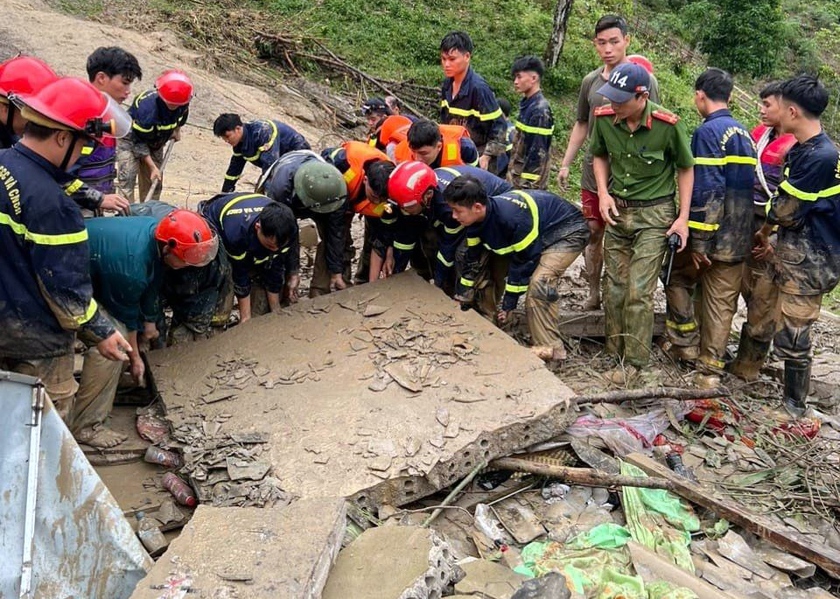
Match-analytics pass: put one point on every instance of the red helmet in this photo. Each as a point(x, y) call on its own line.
point(408, 183)
point(642, 62)
point(24, 75)
point(74, 105)
point(188, 237)
point(174, 87)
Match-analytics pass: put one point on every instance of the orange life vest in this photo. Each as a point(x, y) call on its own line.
point(392, 130)
point(450, 152)
point(358, 154)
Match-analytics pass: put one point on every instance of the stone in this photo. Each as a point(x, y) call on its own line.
point(269, 553)
point(489, 580)
point(392, 562)
point(550, 586)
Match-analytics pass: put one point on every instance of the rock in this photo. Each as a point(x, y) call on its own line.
point(392, 562)
point(550, 586)
point(489, 580)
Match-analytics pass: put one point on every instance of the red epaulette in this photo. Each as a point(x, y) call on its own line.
point(605, 110)
point(668, 117)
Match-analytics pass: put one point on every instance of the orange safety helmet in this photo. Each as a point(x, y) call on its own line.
point(72, 104)
point(409, 182)
point(188, 237)
point(24, 75)
point(174, 87)
point(642, 62)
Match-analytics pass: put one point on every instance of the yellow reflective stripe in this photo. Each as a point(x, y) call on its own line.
point(530, 177)
point(491, 116)
point(89, 313)
point(136, 126)
point(230, 204)
point(806, 195)
point(349, 175)
point(404, 247)
point(267, 145)
point(693, 224)
point(74, 187)
point(444, 261)
point(468, 113)
point(719, 364)
point(451, 151)
point(232, 177)
point(261, 260)
point(467, 282)
point(508, 147)
point(42, 238)
point(532, 234)
point(710, 161)
point(167, 127)
point(335, 152)
point(535, 130)
point(516, 288)
point(449, 170)
point(284, 250)
point(387, 221)
point(683, 328)
point(239, 257)
point(87, 151)
point(473, 241)
point(451, 231)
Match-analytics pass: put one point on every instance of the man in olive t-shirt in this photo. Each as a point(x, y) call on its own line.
point(611, 41)
point(638, 148)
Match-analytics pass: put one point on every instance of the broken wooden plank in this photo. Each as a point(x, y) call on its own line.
point(653, 393)
point(784, 537)
point(586, 477)
point(591, 324)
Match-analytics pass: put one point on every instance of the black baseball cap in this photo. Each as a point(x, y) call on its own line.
point(375, 105)
point(626, 80)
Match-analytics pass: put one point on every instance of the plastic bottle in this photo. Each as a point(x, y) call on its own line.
point(167, 459)
point(150, 535)
point(180, 490)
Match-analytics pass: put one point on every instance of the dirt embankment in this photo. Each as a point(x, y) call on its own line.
point(199, 160)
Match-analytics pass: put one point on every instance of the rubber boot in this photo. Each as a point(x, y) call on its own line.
point(797, 382)
point(751, 356)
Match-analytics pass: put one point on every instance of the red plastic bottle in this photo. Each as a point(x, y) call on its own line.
point(167, 459)
point(180, 490)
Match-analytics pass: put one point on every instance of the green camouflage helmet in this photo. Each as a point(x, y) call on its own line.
point(320, 187)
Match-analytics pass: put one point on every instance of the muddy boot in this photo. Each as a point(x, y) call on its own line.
point(751, 355)
point(797, 382)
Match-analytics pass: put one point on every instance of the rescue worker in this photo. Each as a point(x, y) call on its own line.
point(424, 231)
point(111, 71)
point(541, 233)
point(389, 132)
point(200, 297)
point(466, 99)
point(721, 232)
point(159, 114)
point(261, 142)
point(757, 288)
point(638, 148)
point(610, 41)
point(375, 111)
point(365, 170)
point(19, 75)
point(436, 145)
point(127, 259)
point(46, 298)
point(313, 189)
point(806, 209)
point(260, 238)
point(534, 127)
point(510, 132)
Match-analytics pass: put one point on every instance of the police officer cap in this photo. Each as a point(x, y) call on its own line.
point(626, 80)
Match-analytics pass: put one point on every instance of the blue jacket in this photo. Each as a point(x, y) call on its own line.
point(46, 293)
point(521, 225)
point(406, 230)
point(280, 187)
point(263, 143)
point(807, 209)
point(475, 107)
point(534, 130)
point(95, 172)
point(721, 219)
point(153, 123)
point(232, 216)
point(126, 268)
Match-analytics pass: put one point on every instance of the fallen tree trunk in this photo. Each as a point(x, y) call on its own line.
point(586, 477)
point(653, 393)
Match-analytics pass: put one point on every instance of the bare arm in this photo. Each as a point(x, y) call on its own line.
point(606, 203)
point(576, 139)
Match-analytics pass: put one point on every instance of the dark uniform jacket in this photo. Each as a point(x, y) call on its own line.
point(521, 225)
point(534, 128)
point(807, 209)
point(263, 143)
point(94, 174)
point(46, 293)
point(126, 268)
point(475, 107)
point(153, 123)
point(232, 216)
point(721, 220)
point(279, 185)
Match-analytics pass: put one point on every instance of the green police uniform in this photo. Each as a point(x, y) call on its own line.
point(643, 166)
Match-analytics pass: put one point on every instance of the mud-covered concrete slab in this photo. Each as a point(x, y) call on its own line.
point(382, 394)
point(277, 553)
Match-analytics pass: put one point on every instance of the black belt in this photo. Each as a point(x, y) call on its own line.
point(623, 203)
